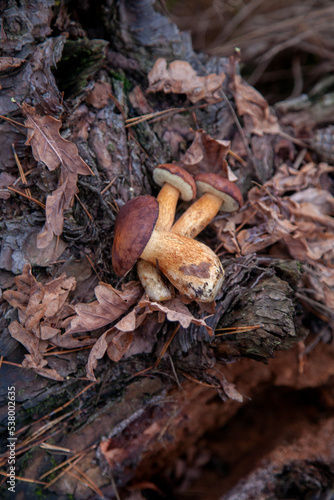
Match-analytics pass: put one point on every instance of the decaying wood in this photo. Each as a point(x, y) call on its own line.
point(147, 413)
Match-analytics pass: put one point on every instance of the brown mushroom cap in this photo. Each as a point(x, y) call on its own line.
point(177, 177)
point(134, 225)
point(226, 190)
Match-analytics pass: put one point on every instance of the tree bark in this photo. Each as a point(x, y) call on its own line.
point(140, 419)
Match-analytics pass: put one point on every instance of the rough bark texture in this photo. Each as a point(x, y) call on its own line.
point(158, 424)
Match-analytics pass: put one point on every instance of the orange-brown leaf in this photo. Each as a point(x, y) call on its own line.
point(49, 147)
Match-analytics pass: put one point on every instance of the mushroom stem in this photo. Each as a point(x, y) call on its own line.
point(153, 282)
point(198, 216)
point(175, 183)
point(218, 193)
point(192, 267)
point(148, 274)
point(167, 198)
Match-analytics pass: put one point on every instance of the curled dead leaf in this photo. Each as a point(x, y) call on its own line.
point(49, 146)
point(175, 310)
point(207, 155)
point(120, 338)
point(181, 78)
point(251, 105)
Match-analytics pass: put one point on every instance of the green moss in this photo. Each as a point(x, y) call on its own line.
point(120, 76)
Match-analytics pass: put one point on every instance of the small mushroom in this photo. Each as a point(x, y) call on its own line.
point(219, 194)
point(192, 267)
point(176, 183)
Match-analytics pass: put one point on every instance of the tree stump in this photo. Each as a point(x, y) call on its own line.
point(144, 422)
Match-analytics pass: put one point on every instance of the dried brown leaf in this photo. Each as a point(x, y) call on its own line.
point(322, 199)
point(226, 234)
point(206, 155)
point(110, 305)
point(289, 178)
point(49, 147)
point(115, 341)
point(175, 310)
point(119, 344)
point(273, 228)
point(60, 200)
point(97, 352)
point(119, 339)
point(251, 105)
point(181, 78)
point(30, 342)
point(42, 309)
point(40, 368)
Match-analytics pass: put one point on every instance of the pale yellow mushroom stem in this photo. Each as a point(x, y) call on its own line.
point(198, 216)
point(151, 279)
point(167, 198)
point(192, 267)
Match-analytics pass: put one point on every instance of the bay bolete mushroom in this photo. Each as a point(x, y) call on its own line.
point(219, 194)
point(176, 183)
point(192, 267)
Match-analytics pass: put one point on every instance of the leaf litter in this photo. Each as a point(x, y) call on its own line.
point(290, 215)
point(41, 311)
point(49, 147)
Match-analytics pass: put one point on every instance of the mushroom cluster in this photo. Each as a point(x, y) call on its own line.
point(145, 233)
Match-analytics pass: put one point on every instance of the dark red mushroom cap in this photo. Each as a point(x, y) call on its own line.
point(228, 191)
point(177, 177)
point(134, 225)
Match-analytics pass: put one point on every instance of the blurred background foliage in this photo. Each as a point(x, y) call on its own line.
point(287, 47)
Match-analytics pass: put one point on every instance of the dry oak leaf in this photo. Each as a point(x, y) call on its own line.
point(207, 154)
point(289, 178)
point(41, 310)
point(181, 78)
point(110, 305)
point(251, 104)
point(49, 147)
point(254, 108)
point(118, 339)
point(115, 341)
point(273, 228)
point(175, 310)
point(40, 306)
point(40, 368)
point(226, 234)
